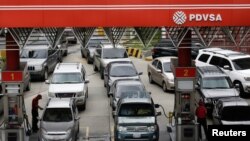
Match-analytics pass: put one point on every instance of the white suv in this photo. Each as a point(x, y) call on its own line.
point(235, 64)
point(69, 80)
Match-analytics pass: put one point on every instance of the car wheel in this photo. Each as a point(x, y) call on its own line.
point(88, 60)
point(95, 68)
point(66, 53)
point(45, 74)
point(104, 84)
point(164, 87)
point(108, 90)
point(82, 54)
point(28, 86)
point(240, 89)
point(151, 81)
point(101, 73)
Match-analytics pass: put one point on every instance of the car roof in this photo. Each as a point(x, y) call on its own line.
point(68, 67)
point(165, 59)
point(129, 82)
point(233, 101)
point(146, 100)
point(59, 103)
point(225, 52)
point(210, 71)
point(121, 64)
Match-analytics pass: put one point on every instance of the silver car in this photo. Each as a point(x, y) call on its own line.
point(60, 120)
point(159, 71)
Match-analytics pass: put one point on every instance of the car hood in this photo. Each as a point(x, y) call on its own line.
point(64, 88)
point(33, 62)
point(136, 120)
point(245, 72)
point(216, 93)
point(235, 122)
point(54, 127)
point(106, 61)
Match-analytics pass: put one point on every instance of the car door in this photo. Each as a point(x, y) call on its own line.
point(106, 74)
point(158, 76)
point(154, 69)
point(226, 66)
point(75, 116)
point(50, 59)
point(98, 58)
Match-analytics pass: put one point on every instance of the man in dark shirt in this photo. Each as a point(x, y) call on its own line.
point(34, 112)
point(201, 113)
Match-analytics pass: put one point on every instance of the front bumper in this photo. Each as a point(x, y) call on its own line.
point(136, 136)
point(170, 85)
point(246, 87)
point(80, 100)
point(36, 73)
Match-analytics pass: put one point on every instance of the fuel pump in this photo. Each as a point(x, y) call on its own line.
point(13, 128)
point(185, 128)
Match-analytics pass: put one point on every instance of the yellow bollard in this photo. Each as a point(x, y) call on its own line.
point(170, 116)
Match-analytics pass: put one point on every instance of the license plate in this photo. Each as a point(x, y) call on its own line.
point(136, 135)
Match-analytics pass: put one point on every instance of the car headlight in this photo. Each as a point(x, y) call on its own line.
point(122, 129)
point(38, 68)
point(44, 132)
point(208, 100)
point(247, 78)
point(79, 94)
point(51, 94)
point(110, 82)
point(68, 132)
point(152, 128)
point(171, 80)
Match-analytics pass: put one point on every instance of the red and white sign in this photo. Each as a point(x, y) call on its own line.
point(12, 76)
point(185, 72)
point(123, 13)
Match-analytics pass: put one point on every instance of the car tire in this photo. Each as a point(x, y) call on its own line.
point(164, 87)
point(82, 54)
point(104, 84)
point(108, 88)
point(88, 60)
point(45, 74)
point(28, 86)
point(102, 73)
point(94, 67)
point(151, 81)
point(65, 53)
point(241, 89)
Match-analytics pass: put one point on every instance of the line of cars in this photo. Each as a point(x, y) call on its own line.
point(134, 111)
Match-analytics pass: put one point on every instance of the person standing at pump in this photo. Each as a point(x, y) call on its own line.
point(201, 113)
point(34, 112)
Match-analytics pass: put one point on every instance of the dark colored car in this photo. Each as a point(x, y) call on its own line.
point(136, 119)
point(166, 48)
point(231, 111)
point(88, 52)
point(119, 70)
point(122, 87)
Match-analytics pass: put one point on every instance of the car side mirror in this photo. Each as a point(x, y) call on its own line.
point(97, 55)
point(47, 82)
point(86, 81)
point(197, 86)
point(140, 73)
point(111, 94)
point(157, 105)
point(114, 113)
point(237, 86)
point(158, 113)
point(105, 74)
point(39, 118)
point(226, 67)
point(77, 118)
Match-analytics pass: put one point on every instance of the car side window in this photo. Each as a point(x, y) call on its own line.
point(159, 66)
point(154, 63)
point(204, 57)
point(224, 62)
point(215, 61)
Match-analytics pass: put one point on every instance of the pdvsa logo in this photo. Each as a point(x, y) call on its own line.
point(180, 17)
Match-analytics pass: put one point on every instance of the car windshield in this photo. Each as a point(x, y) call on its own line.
point(136, 110)
point(123, 71)
point(166, 67)
point(110, 53)
point(127, 89)
point(236, 113)
point(57, 115)
point(61, 78)
point(39, 53)
point(241, 64)
point(216, 83)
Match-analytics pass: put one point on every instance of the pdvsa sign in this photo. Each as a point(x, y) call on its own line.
point(180, 17)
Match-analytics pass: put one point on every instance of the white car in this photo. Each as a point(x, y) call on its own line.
point(159, 72)
point(69, 80)
point(235, 64)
